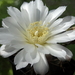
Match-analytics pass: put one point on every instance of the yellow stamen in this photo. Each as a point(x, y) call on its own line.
point(37, 33)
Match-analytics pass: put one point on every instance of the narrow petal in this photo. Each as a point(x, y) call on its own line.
point(4, 35)
point(32, 10)
point(56, 23)
point(14, 12)
point(36, 9)
point(42, 49)
point(42, 66)
point(21, 65)
point(29, 47)
point(17, 44)
point(43, 13)
point(19, 57)
point(7, 51)
point(24, 6)
point(25, 18)
point(68, 52)
point(39, 4)
point(43, 9)
point(16, 20)
point(63, 37)
point(14, 28)
point(66, 23)
point(59, 51)
point(53, 15)
point(32, 57)
point(3, 24)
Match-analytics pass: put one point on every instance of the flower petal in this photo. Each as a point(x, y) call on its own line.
point(3, 24)
point(32, 57)
point(19, 57)
point(29, 47)
point(59, 51)
point(16, 23)
point(19, 60)
point(25, 18)
point(63, 37)
point(14, 28)
point(14, 13)
point(31, 9)
point(19, 19)
point(17, 44)
point(36, 9)
point(43, 9)
point(21, 65)
point(53, 15)
point(4, 35)
point(68, 52)
point(66, 23)
point(42, 49)
point(56, 23)
point(39, 4)
point(7, 51)
point(42, 66)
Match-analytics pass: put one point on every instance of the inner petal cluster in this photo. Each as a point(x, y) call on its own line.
point(37, 33)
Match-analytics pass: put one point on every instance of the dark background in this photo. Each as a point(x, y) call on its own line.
point(5, 66)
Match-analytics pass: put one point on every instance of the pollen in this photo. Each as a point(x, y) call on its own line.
point(37, 33)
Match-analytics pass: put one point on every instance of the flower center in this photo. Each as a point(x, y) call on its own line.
point(37, 33)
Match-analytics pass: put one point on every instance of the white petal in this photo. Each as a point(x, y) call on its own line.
point(12, 22)
point(54, 14)
point(14, 28)
point(35, 56)
point(43, 9)
point(29, 48)
point(24, 6)
point(42, 49)
point(68, 52)
point(43, 13)
point(31, 9)
point(19, 60)
point(14, 12)
point(63, 37)
point(32, 55)
point(21, 65)
point(59, 51)
point(42, 66)
point(25, 18)
point(32, 58)
point(56, 23)
point(17, 44)
point(7, 51)
point(66, 23)
point(3, 24)
point(39, 4)
point(55, 51)
point(4, 35)
point(19, 57)
point(16, 22)
point(17, 17)
point(36, 10)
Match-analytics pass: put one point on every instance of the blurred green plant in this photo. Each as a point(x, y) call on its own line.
point(5, 67)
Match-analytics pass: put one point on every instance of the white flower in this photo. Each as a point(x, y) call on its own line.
point(37, 32)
